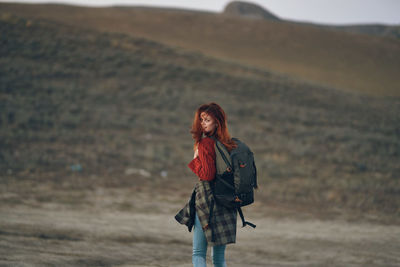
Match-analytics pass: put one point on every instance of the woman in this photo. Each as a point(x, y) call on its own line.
point(213, 224)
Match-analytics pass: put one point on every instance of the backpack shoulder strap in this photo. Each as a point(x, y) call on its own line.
point(217, 144)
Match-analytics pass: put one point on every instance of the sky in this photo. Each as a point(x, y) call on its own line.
point(317, 11)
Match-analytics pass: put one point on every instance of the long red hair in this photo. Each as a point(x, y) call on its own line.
point(221, 133)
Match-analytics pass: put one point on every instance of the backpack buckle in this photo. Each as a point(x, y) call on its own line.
point(237, 199)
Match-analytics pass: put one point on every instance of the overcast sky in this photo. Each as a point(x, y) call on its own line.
point(320, 11)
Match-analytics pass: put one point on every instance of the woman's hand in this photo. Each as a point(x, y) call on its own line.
point(196, 153)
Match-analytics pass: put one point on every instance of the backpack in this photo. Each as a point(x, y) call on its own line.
point(236, 177)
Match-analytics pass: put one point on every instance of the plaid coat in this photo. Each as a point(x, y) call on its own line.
point(220, 227)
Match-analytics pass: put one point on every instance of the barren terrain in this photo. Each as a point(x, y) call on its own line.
point(123, 227)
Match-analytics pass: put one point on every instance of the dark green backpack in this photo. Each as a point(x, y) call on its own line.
point(236, 178)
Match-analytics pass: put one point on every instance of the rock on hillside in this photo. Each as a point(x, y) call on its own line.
point(246, 9)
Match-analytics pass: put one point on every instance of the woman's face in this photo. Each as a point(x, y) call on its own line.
point(207, 123)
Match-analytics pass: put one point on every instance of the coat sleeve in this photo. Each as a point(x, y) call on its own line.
point(204, 164)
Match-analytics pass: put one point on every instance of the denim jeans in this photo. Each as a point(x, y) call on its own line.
point(200, 248)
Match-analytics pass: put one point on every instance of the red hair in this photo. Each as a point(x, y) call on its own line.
point(221, 132)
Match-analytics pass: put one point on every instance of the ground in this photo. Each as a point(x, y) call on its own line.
point(110, 232)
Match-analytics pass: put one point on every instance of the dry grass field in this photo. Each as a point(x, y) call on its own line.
point(94, 140)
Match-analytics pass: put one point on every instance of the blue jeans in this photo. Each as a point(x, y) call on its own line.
point(200, 248)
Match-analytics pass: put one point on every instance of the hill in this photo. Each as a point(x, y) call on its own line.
point(82, 109)
point(372, 29)
point(249, 10)
point(347, 61)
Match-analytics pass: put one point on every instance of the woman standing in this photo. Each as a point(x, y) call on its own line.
point(214, 224)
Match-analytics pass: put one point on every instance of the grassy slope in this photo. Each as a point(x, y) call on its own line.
point(111, 102)
point(348, 61)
